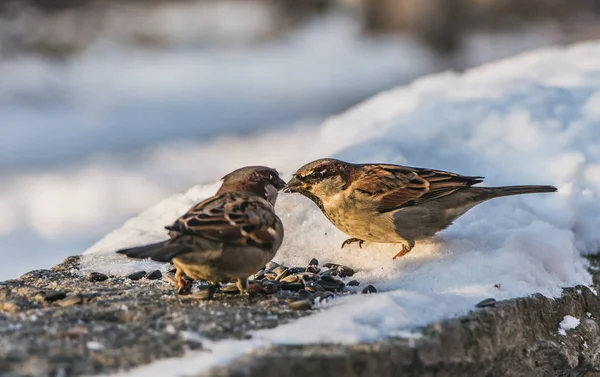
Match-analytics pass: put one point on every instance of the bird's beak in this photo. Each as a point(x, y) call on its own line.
point(280, 184)
point(294, 185)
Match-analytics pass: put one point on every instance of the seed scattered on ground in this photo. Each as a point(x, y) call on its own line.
point(136, 275)
point(300, 305)
point(71, 300)
point(54, 296)
point(154, 275)
point(353, 283)
point(488, 302)
point(96, 276)
point(369, 289)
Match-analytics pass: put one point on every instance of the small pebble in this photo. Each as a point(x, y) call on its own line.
point(154, 275)
point(353, 283)
point(488, 302)
point(300, 305)
point(369, 289)
point(96, 276)
point(54, 296)
point(136, 275)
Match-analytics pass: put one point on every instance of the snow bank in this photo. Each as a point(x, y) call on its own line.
point(532, 119)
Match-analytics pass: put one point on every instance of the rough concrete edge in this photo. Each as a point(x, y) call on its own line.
point(517, 337)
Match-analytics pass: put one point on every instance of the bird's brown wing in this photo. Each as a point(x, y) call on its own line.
point(394, 186)
point(231, 218)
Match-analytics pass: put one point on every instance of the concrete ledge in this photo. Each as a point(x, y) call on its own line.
point(516, 338)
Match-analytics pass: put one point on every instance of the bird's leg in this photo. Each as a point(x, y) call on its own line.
point(184, 286)
point(352, 240)
point(242, 285)
point(405, 249)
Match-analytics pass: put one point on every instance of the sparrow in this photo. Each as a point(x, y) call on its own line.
point(392, 203)
point(226, 237)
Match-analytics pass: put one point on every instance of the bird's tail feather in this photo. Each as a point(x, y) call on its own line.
point(496, 192)
point(161, 251)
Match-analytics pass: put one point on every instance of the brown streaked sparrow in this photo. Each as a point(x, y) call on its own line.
point(228, 236)
point(392, 203)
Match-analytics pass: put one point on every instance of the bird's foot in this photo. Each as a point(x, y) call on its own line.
point(183, 283)
point(243, 286)
point(352, 240)
point(184, 289)
point(405, 250)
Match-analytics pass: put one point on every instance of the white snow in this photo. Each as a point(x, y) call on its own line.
point(531, 119)
point(88, 142)
point(568, 323)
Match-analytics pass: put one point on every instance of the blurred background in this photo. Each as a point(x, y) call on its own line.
point(108, 106)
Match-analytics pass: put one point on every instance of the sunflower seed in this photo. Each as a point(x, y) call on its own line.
point(136, 275)
point(269, 287)
point(311, 286)
point(329, 278)
point(284, 273)
point(313, 269)
point(259, 275)
point(230, 289)
point(54, 296)
point(297, 270)
point(330, 286)
point(488, 302)
point(71, 300)
point(369, 289)
point(272, 265)
point(313, 262)
point(279, 269)
point(291, 279)
point(303, 293)
point(292, 286)
point(154, 275)
point(300, 305)
point(309, 276)
point(353, 283)
point(96, 276)
point(322, 296)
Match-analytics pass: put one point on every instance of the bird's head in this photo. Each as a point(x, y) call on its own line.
point(259, 181)
point(321, 179)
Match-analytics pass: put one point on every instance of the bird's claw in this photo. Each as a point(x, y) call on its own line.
point(352, 240)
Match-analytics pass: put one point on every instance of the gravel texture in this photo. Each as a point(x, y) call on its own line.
point(57, 322)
